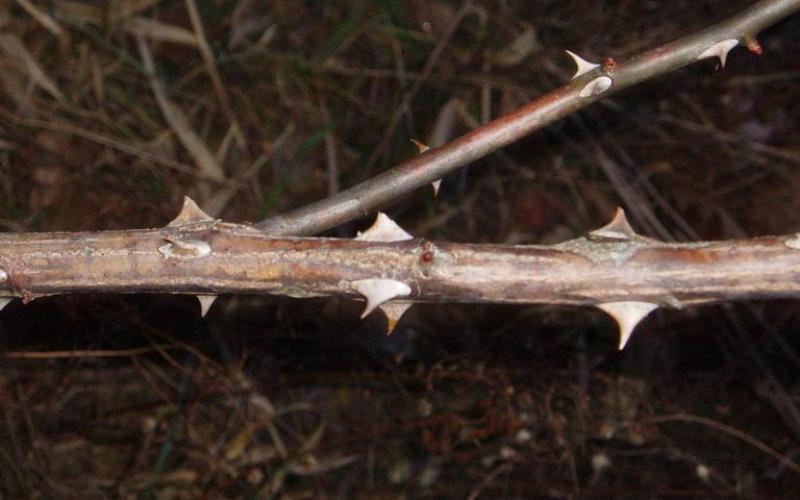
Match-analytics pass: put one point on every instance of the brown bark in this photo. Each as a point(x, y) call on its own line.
point(217, 257)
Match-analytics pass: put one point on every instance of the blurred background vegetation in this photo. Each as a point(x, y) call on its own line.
point(111, 112)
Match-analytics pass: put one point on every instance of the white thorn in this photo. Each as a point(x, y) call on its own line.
point(719, 50)
point(190, 213)
point(627, 315)
point(384, 229)
point(583, 66)
point(4, 301)
point(618, 229)
point(377, 291)
point(206, 301)
point(596, 86)
point(394, 311)
point(436, 184)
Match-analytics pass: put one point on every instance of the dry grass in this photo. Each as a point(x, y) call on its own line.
point(109, 115)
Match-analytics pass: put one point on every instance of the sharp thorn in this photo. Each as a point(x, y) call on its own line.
point(377, 291)
point(384, 229)
point(190, 213)
point(719, 50)
point(394, 311)
point(627, 315)
point(436, 185)
point(618, 229)
point(583, 66)
point(422, 147)
point(206, 301)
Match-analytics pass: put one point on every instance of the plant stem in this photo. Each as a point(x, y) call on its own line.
point(434, 164)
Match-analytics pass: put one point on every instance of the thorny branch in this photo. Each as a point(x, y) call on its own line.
point(613, 268)
point(590, 83)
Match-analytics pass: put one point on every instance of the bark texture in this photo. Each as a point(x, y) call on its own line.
point(214, 257)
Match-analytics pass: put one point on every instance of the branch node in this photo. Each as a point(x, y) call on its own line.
point(185, 249)
point(753, 46)
point(596, 87)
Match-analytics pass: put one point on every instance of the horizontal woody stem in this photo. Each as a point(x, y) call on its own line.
point(217, 257)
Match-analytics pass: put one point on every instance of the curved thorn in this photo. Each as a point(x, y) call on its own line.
point(719, 50)
point(377, 291)
point(583, 66)
point(627, 315)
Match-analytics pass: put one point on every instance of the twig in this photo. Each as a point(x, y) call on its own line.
point(586, 87)
point(755, 443)
point(87, 353)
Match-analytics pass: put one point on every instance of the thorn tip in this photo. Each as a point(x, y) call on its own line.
point(627, 315)
point(618, 229)
point(206, 301)
point(394, 310)
point(436, 185)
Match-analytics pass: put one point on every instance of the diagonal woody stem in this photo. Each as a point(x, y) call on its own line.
point(363, 198)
